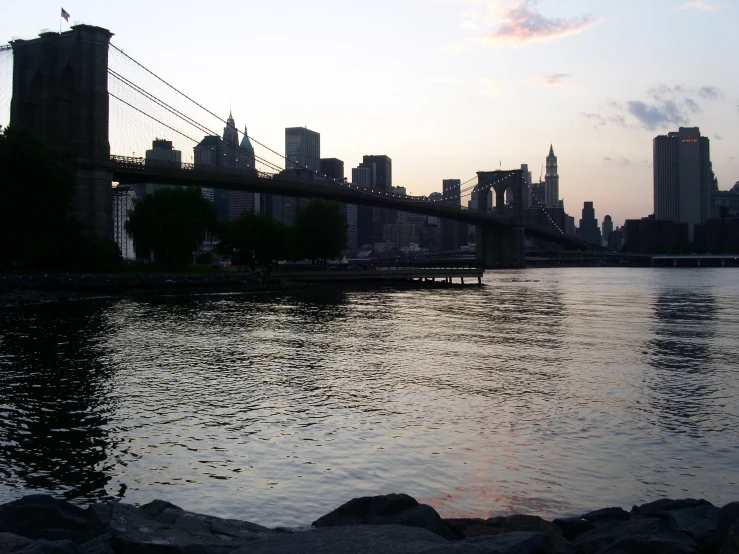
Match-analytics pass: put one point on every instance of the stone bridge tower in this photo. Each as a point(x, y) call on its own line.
point(60, 89)
point(501, 246)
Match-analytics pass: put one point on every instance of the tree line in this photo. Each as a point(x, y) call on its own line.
point(169, 225)
point(39, 230)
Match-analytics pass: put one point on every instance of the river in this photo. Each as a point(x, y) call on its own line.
point(548, 392)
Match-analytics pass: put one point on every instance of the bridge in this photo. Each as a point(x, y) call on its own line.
point(62, 88)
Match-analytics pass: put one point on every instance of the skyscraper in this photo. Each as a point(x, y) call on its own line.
point(382, 171)
point(551, 181)
point(382, 179)
point(332, 168)
point(245, 160)
point(682, 178)
point(607, 227)
point(302, 151)
point(453, 233)
point(302, 148)
point(588, 228)
point(362, 177)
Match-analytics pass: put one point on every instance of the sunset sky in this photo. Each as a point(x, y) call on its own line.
point(449, 87)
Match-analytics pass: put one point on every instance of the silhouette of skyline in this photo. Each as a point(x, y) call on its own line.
point(447, 88)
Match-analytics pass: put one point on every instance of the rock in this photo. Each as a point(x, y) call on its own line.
point(728, 516)
point(573, 527)
point(9, 542)
point(468, 528)
point(39, 516)
point(163, 527)
point(666, 505)
point(398, 509)
point(99, 545)
point(42, 546)
point(638, 529)
point(731, 541)
point(701, 522)
point(393, 539)
point(606, 513)
point(517, 543)
point(647, 545)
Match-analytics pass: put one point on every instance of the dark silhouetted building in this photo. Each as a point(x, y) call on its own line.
point(551, 181)
point(616, 240)
point(332, 168)
point(682, 178)
point(302, 149)
point(607, 227)
point(588, 229)
point(453, 234)
point(653, 236)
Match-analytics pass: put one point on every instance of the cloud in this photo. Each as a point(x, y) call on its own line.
point(653, 116)
point(702, 5)
point(517, 23)
point(664, 106)
point(556, 79)
point(600, 121)
point(692, 105)
point(710, 93)
point(623, 162)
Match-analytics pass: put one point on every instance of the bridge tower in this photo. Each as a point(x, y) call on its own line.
point(60, 89)
point(501, 246)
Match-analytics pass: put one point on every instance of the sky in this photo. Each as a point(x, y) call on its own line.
point(450, 87)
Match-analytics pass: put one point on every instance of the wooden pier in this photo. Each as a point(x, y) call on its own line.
point(461, 276)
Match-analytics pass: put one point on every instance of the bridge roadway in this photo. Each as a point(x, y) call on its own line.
point(129, 170)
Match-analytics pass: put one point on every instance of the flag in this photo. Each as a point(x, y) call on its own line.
point(65, 15)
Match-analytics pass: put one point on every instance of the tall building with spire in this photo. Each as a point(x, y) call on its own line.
point(245, 160)
point(551, 181)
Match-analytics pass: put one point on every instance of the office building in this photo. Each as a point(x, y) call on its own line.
point(682, 178)
point(588, 229)
point(302, 149)
point(653, 236)
point(332, 168)
point(453, 234)
point(551, 181)
point(382, 171)
point(607, 227)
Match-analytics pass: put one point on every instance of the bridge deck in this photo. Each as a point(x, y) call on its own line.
point(127, 170)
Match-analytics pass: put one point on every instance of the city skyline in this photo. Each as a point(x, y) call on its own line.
point(453, 87)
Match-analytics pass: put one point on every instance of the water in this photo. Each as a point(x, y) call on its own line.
point(547, 392)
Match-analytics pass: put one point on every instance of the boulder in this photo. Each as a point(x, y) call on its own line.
point(573, 527)
point(731, 541)
point(42, 546)
point(395, 539)
point(659, 507)
point(39, 516)
point(10, 542)
point(163, 527)
point(399, 509)
point(631, 544)
point(637, 529)
point(606, 513)
point(494, 526)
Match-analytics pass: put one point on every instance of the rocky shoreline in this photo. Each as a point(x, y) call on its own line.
point(394, 523)
point(18, 290)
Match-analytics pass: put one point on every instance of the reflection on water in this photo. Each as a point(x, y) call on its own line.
point(54, 402)
point(680, 354)
point(547, 392)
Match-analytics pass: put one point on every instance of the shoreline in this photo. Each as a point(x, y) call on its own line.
point(389, 523)
point(39, 289)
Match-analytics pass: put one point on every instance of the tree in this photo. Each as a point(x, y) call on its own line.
point(170, 224)
point(252, 239)
point(318, 231)
point(36, 194)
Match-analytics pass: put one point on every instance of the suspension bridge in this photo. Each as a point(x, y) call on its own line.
point(98, 104)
